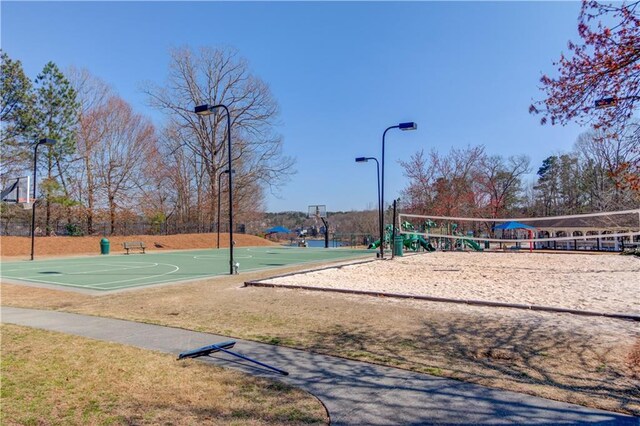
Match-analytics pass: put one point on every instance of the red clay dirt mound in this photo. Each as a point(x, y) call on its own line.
point(63, 246)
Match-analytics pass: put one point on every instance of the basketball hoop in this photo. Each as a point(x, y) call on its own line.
point(16, 190)
point(317, 211)
point(320, 212)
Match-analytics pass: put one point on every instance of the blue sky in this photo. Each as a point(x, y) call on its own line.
point(341, 72)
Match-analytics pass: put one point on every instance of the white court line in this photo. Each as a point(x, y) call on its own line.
point(121, 268)
point(100, 286)
point(176, 254)
point(205, 256)
point(35, 280)
point(177, 268)
point(66, 265)
point(192, 278)
point(35, 268)
point(196, 277)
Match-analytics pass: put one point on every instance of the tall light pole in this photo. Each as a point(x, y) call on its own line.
point(364, 160)
point(45, 141)
point(402, 126)
point(203, 110)
point(219, 199)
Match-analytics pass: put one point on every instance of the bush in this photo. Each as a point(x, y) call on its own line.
point(73, 230)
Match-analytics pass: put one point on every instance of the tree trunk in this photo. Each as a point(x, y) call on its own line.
point(90, 212)
point(47, 224)
point(90, 197)
point(112, 214)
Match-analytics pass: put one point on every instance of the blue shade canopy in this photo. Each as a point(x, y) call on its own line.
point(513, 225)
point(278, 229)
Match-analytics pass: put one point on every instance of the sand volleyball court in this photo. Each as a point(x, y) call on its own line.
point(603, 283)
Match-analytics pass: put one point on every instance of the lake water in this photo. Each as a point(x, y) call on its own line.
point(320, 243)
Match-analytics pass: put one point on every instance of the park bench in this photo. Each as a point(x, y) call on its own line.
point(134, 245)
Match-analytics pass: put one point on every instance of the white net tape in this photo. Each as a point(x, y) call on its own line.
point(635, 212)
point(605, 226)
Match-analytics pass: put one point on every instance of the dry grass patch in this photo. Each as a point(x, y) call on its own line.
point(51, 378)
point(563, 357)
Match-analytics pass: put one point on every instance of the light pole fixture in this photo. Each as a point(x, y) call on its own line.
point(402, 126)
point(45, 141)
point(219, 199)
point(204, 110)
point(364, 160)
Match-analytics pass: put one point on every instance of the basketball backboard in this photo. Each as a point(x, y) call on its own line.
point(317, 211)
point(16, 190)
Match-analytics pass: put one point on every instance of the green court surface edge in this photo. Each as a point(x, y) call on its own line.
point(120, 271)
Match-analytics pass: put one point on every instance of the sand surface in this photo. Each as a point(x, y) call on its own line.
point(602, 283)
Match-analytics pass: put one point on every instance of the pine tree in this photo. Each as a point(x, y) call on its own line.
point(16, 116)
point(56, 112)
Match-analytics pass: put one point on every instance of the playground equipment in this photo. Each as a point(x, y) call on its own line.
point(609, 231)
point(411, 242)
point(448, 237)
point(464, 243)
point(388, 230)
point(415, 239)
point(472, 244)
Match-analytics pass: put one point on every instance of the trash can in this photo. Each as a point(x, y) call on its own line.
point(104, 246)
point(397, 245)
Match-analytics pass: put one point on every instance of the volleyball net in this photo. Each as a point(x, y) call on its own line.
point(593, 231)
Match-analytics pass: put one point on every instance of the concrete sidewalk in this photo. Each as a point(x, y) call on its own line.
point(355, 393)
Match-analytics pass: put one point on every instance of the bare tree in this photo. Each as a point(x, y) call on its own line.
point(444, 184)
point(418, 196)
point(501, 182)
point(456, 186)
point(92, 94)
point(600, 164)
point(127, 147)
point(220, 76)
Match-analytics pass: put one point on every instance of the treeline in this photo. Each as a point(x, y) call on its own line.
point(340, 223)
point(471, 183)
point(111, 164)
point(112, 170)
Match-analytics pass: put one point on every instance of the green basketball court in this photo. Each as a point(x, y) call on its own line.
point(116, 272)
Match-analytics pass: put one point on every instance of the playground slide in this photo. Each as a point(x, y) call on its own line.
point(425, 244)
point(474, 245)
point(374, 244)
